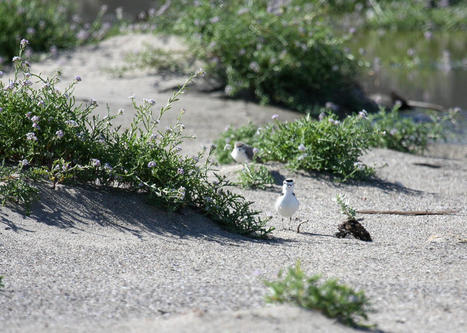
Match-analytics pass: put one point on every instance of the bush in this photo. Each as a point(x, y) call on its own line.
point(44, 134)
point(286, 56)
point(403, 133)
point(326, 145)
point(46, 23)
point(333, 146)
point(333, 299)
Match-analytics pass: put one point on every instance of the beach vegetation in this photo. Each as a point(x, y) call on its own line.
point(46, 136)
point(49, 25)
point(333, 299)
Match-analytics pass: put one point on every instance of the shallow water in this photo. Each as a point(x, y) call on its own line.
point(427, 67)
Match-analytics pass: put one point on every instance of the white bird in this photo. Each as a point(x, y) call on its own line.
point(242, 153)
point(287, 204)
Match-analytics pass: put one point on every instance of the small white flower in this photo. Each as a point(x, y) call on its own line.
point(152, 164)
point(95, 162)
point(393, 131)
point(71, 123)
point(78, 78)
point(255, 150)
point(108, 167)
point(24, 162)
point(363, 114)
point(180, 171)
point(254, 66)
point(301, 147)
point(24, 42)
point(31, 136)
point(35, 119)
point(214, 19)
point(275, 116)
point(59, 134)
point(149, 101)
point(16, 58)
point(227, 147)
point(153, 137)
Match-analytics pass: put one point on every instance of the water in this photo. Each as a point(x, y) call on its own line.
point(427, 67)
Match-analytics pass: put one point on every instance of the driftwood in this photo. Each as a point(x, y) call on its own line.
point(409, 213)
point(406, 104)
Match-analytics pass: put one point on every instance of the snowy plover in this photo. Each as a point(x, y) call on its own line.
point(242, 153)
point(287, 204)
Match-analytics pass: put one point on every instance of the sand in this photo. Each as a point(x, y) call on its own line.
point(104, 260)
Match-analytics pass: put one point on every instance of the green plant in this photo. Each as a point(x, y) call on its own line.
point(1, 282)
point(325, 145)
point(255, 176)
point(345, 208)
point(46, 23)
point(403, 133)
point(50, 137)
point(286, 56)
point(333, 299)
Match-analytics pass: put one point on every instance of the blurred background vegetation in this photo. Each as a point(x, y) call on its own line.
point(293, 53)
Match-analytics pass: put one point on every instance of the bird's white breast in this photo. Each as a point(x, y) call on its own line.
point(287, 204)
point(239, 156)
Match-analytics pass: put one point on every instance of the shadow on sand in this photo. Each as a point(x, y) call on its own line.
point(79, 208)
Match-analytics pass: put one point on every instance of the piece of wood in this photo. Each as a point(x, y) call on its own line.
point(410, 212)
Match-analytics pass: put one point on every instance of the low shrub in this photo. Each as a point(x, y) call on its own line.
point(48, 24)
point(326, 145)
point(331, 145)
point(285, 55)
point(45, 135)
point(404, 134)
point(333, 299)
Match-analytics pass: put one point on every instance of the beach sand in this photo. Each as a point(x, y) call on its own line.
point(89, 259)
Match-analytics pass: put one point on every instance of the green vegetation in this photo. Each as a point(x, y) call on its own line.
point(416, 15)
point(46, 24)
point(333, 299)
point(326, 145)
point(404, 134)
point(255, 176)
point(45, 135)
point(1, 282)
point(345, 208)
point(287, 56)
point(333, 146)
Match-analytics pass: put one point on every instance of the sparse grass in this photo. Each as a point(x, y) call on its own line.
point(255, 177)
point(45, 135)
point(333, 299)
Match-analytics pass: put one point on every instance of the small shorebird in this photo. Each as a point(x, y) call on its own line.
point(242, 153)
point(287, 204)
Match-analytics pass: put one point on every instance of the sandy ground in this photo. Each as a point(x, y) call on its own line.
point(88, 260)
